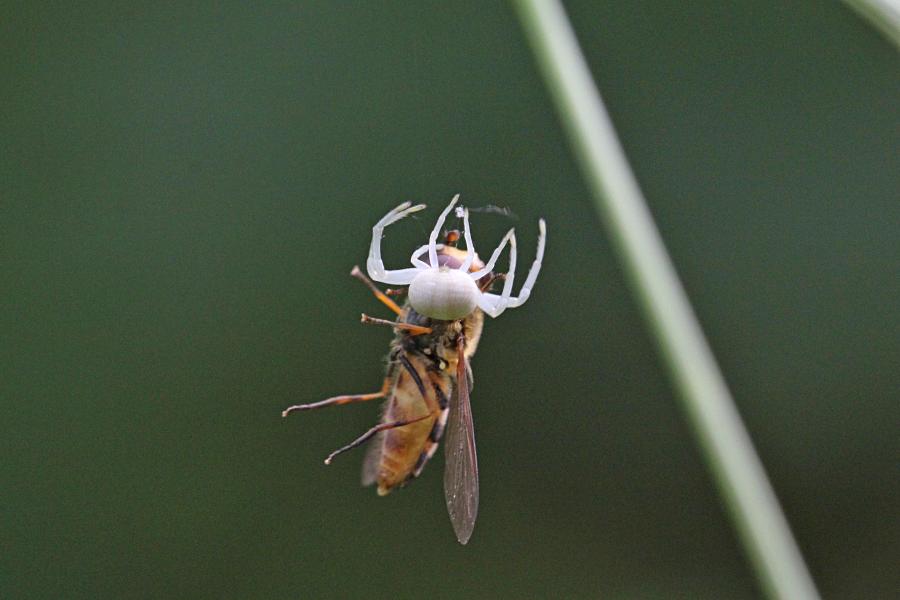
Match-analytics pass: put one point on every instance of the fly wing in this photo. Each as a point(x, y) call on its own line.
point(461, 470)
point(372, 460)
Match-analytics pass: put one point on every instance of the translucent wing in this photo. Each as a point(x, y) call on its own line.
point(372, 460)
point(461, 470)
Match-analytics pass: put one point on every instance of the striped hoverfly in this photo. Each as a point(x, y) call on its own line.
point(429, 379)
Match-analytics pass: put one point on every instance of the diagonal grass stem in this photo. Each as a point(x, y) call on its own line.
point(736, 468)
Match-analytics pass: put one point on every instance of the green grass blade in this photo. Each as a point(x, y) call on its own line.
point(727, 446)
point(883, 15)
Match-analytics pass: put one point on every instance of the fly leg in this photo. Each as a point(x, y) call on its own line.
point(338, 400)
point(412, 329)
point(356, 272)
point(368, 435)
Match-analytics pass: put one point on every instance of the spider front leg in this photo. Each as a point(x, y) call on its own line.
point(374, 264)
point(432, 239)
point(470, 247)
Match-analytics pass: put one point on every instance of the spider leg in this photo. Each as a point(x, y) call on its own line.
point(432, 239)
point(374, 264)
point(493, 260)
point(535, 268)
point(418, 262)
point(397, 277)
point(493, 304)
point(470, 247)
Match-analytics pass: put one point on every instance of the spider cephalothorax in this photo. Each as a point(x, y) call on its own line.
point(445, 293)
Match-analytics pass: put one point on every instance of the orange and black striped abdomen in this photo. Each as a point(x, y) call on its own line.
point(441, 386)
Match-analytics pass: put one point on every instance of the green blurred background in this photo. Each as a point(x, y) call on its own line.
point(185, 189)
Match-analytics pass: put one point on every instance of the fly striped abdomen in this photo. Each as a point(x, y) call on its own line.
point(413, 396)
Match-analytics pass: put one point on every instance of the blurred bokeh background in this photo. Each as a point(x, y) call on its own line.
point(183, 191)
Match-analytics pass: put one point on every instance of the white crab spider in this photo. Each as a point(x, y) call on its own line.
point(445, 293)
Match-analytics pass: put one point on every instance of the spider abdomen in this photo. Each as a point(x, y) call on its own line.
point(445, 294)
